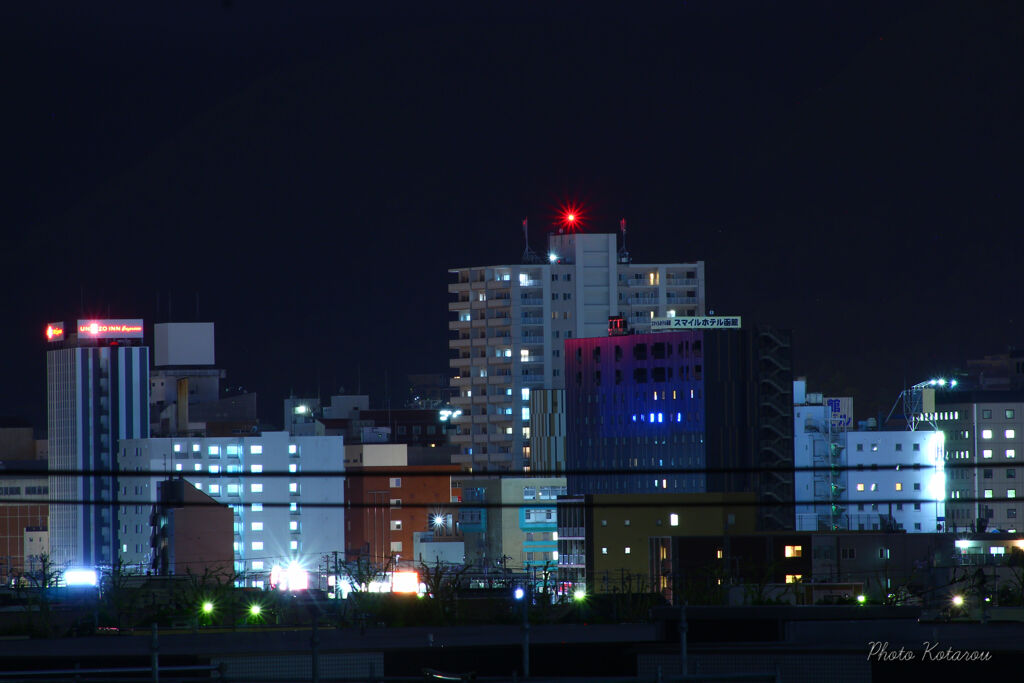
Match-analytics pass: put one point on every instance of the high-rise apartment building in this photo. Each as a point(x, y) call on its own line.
point(97, 391)
point(511, 322)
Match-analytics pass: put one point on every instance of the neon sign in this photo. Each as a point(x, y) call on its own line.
point(54, 332)
point(106, 329)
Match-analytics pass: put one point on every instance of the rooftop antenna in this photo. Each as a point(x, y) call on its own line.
point(623, 252)
point(529, 255)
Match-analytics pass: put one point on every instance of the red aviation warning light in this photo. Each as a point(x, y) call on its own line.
point(571, 218)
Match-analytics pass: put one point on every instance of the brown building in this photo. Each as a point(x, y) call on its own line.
point(192, 532)
point(387, 501)
point(23, 520)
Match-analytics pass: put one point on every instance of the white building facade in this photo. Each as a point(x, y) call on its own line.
point(864, 480)
point(96, 395)
point(280, 515)
point(511, 322)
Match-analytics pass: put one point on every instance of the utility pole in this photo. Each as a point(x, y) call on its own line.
point(527, 594)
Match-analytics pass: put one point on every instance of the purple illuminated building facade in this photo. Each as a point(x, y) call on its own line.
point(682, 412)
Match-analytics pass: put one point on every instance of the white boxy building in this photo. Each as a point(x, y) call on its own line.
point(863, 480)
point(280, 516)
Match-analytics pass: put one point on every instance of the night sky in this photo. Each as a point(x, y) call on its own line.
point(306, 175)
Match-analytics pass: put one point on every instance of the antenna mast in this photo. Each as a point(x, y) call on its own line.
point(623, 252)
point(529, 255)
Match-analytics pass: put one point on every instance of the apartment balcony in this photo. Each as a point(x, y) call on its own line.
point(531, 320)
point(460, 438)
point(499, 360)
point(531, 283)
point(459, 324)
point(532, 339)
point(639, 283)
point(499, 284)
point(458, 287)
point(478, 284)
point(643, 301)
point(680, 300)
point(498, 417)
point(459, 343)
point(680, 282)
point(460, 381)
point(498, 322)
point(499, 379)
point(459, 362)
point(461, 401)
point(532, 377)
point(478, 323)
point(499, 303)
point(458, 305)
point(531, 301)
point(479, 399)
point(479, 419)
point(501, 438)
point(531, 359)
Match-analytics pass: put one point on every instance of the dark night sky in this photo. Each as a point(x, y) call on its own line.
point(851, 171)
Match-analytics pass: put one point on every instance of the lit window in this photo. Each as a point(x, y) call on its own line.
point(986, 433)
point(718, 553)
point(257, 545)
point(257, 564)
point(294, 545)
point(214, 469)
point(874, 487)
point(627, 550)
point(213, 450)
point(255, 449)
point(1010, 433)
point(293, 507)
point(874, 447)
point(673, 519)
point(604, 551)
point(293, 487)
point(794, 551)
point(793, 578)
point(256, 488)
point(899, 486)
point(860, 487)
point(987, 453)
point(257, 526)
point(293, 449)
point(988, 493)
point(199, 486)
point(233, 489)
point(1011, 493)
point(293, 526)
point(257, 507)
point(1011, 453)
point(214, 489)
point(195, 448)
point(255, 469)
point(293, 467)
point(177, 467)
point(526, 413)
point(198, 467)
point(525, 392)
point(177, 448)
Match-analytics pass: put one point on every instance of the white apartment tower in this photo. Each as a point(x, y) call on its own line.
point(97, 393)
point(511, 322)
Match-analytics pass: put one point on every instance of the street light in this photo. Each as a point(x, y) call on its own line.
point(519, 593)
point(958, 601)
point(861, 599)
point(579, 595)
point(207, 607)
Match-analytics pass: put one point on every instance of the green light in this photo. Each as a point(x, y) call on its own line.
point(861, 599)
point(579, 595)
point(207, 607)
point(254, 610)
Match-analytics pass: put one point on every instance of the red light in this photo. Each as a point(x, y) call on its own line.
point(571, 217)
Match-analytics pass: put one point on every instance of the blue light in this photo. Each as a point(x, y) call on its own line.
point(679, 417)
point(652, 417)
point(660, 417)
point(519, 593)
point(634, 417)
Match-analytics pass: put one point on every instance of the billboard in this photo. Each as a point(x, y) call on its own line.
point(840, 413)
point(54, 332)
point(129, 328)
point(714, 322)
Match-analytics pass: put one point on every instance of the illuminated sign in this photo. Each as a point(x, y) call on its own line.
point(107, 329)
point(55, 332)
point(717, 322)
point(405, 582)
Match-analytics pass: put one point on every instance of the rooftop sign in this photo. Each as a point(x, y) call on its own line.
point(54, 332)
point(110, 329)
point(715, 322)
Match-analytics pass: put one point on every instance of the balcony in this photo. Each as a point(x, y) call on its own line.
point(638, 283)
point(498, 322)
point(499, 303)
point(459, 343)
point(499, 379)
point(458, 287)
point(460, 381)
point(531, 283)
point(459, 324)
point(532, 339)
point(680, 282)
point(531, 359)
point(531, 301)
point(458, 305)
point(531, 378)
point(671, 300)
point(642, 301)
point(458, 362)
point(498, 417)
